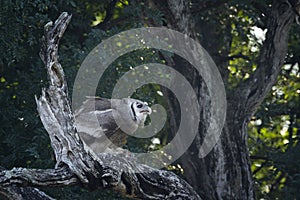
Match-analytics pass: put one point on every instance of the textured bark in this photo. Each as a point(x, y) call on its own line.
point(225, 173)
point(34, 177)
point(75, 162)
point(22, 193)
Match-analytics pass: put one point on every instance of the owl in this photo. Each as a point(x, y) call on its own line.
point(105, 123)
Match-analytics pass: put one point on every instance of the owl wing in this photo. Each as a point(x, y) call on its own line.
point(96, 125)
point(95, 117)
point(94, 103)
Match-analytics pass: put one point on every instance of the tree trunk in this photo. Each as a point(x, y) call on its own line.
point(225, 173)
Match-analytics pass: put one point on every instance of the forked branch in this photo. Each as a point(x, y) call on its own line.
point(76, 164)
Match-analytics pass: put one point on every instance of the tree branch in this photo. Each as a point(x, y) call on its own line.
point(109, 14)
point(75, 162)
point(22, 193)
point(253, 91)
point(38, 177)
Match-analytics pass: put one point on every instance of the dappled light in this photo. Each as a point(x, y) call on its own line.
point(254, 45)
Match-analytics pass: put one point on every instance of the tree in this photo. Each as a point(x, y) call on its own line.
point(227, 168)
point(249, 70)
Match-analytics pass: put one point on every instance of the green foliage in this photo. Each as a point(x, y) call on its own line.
point(273, 132)
point(274, 141)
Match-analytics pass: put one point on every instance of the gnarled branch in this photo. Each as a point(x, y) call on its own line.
point(76, 163)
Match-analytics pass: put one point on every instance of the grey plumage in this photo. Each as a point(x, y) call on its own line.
point(103, 123)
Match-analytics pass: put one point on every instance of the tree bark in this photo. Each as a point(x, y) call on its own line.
point(225, 173)
point(76, 164)
point(21, 193)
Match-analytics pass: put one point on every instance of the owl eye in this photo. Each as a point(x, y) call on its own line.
point(139, 106)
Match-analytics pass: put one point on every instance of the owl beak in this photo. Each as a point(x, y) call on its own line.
point(148, 111)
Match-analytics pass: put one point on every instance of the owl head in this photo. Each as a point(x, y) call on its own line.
point(130, 113)
point(139, 111)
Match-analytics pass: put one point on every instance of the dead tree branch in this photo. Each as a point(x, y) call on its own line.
point(76, 164)
point(22, 193)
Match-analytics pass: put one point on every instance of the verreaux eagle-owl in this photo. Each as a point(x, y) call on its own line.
point(102, 123)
